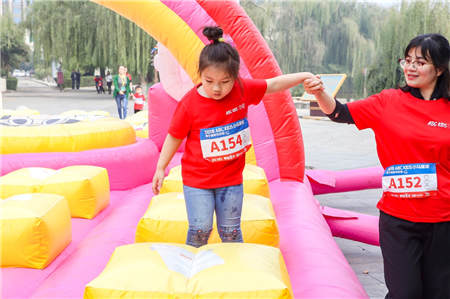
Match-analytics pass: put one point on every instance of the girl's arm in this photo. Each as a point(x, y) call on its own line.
point(315, 87)
point(287, 81)
point(170, 146)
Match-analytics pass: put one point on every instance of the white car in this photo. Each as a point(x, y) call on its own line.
point(18, 73)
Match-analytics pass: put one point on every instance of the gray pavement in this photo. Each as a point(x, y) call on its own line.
point(327, 146)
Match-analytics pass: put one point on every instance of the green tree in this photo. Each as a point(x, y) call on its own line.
point(412, 19)
point(13, 49)
point(82, 34)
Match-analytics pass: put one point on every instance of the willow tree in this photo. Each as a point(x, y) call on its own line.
point(319, 36)
point(13, 49)
point(82, 34)
point(412, 19)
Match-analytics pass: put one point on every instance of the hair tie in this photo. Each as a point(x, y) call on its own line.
point(219, 40)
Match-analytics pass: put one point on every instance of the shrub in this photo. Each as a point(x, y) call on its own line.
point(11, 83)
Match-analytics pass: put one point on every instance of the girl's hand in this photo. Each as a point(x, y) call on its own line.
point(158, 179)
point(313, 85)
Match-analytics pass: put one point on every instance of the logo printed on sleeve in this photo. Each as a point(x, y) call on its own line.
point(438, 124)
point(225, 142)
point(410, 180)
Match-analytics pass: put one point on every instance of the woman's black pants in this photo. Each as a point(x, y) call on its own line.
point(416, 258)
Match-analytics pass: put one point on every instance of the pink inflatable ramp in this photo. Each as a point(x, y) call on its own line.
point(327, 181)
point(316, 265)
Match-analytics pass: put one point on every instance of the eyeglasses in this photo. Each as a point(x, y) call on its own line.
point(408, 62)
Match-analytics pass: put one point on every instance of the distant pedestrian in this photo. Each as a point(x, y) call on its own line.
point(109, 81)
point(78, 78)
point(139, 99)
point(60, 79)
point(121, 91)
point(99, 84)
point(73, 77)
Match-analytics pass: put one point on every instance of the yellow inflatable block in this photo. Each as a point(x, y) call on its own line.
point(250, 157)
point(166, 221)
point(255, 181)
point(158, 270)
point(35, 229)
point(24, 180)
point(139, 121)
point(86, 188)
point(38, 134)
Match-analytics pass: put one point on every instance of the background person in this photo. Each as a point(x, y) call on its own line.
point(412, 132)
point(139, 99)
point(121, 91)
point(109, 81)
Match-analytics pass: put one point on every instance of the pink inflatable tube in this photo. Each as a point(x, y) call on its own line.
point(327, 181)
point(128, 166)
point(353, 226)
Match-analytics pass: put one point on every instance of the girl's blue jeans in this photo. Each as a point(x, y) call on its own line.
point(122, 105)
point(200, 207)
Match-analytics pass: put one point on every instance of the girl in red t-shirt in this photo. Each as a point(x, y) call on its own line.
point(412, 130)
point(213, 117)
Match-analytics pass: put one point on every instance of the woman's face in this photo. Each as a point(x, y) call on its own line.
point(217, 83)
point(419, 71)
point(121, 70)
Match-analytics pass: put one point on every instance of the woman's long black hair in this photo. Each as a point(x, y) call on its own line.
point(434, 46)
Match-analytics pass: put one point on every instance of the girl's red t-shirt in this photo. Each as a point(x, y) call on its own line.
point(217, 134)
point(410, 131)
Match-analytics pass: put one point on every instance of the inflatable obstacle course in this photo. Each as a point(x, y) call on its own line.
point(85, 188)
point(166, 221)
point(158, 270)
point(35, 229)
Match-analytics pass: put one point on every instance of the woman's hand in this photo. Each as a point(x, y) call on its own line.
point(158, 179)
point(313, 85)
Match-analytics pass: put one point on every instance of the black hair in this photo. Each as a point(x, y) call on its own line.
point(219, 53)
point(137, 86)
point(434, 46)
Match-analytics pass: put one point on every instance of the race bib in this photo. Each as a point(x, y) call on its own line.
point(410, 180)
point(225, 142)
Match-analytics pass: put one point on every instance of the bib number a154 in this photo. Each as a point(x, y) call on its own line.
point(410, 180)
point(226, 142)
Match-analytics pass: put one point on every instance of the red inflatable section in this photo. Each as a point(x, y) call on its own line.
point(280, 108)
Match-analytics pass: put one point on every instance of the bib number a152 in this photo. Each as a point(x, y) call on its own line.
point(226, 142)
point(410, 180)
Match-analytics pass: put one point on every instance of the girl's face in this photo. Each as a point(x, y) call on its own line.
point(121, 70)
point(216, 82)
point(419, 71)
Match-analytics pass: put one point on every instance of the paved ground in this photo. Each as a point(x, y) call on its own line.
point(327, 146)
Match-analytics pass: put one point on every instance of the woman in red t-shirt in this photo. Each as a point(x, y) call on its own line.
point(412, 131)
point(213, 118)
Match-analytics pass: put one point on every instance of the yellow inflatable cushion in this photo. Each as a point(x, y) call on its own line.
point(35, 229)
point(86, 188)
point(158, 270)
point(139, 121)
point(166, 221)
point(39, 133)
point(255, 181)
